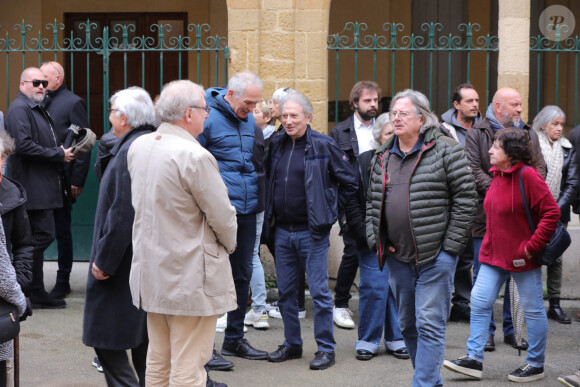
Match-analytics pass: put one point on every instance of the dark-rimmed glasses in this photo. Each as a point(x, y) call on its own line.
point(204, 108)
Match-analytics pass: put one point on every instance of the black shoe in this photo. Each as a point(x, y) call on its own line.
point(213, 383)
point(489, 344)
point(284, 353)
point(511, 340)
point(465, 366)
point(43, 300)
point(363, 354)
point(556, 313)
point(322, 360)
point(460, 314)
point(527, 373)
point(243, 349)
point(60, 290)
point(400, 353)
point(218, 363)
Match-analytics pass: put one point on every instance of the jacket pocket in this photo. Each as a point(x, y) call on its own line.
point(214, 261)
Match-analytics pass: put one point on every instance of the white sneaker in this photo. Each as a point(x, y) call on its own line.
point(275, 313)
point(271, 306)
point(341, 317)
point(222, 324)
point(258, 321)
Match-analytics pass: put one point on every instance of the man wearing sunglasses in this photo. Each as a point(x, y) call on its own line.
point(37, 164)
point(66, 109)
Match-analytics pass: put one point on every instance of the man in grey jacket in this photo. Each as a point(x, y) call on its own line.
point(458, 121)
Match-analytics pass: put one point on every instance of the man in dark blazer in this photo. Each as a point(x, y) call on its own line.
point(65, 109)
point(37, 164)
point(112, 324)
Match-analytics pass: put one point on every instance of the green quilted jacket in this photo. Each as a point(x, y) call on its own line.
point(442, 199)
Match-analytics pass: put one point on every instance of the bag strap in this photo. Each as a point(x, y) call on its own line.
point(526, 207)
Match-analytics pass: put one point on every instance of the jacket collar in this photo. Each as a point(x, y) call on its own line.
point(28, 100)
point(130, 134)
point(175, 130)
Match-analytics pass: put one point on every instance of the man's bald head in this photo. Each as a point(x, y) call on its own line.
point(54, 74)
point(29, 77)
point(507, 107)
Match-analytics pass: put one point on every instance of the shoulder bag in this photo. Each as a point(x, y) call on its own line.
point(560, 240)
point(9, 321)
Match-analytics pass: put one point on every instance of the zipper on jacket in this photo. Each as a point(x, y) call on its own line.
point(286, 184)
point(381, 210)
point(425, 147)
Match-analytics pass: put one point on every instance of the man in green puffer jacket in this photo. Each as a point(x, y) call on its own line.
point(420, 205)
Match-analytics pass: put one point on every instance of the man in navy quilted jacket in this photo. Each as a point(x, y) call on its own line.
point(228, 134)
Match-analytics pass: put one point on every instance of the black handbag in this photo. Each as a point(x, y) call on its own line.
point(559, 242)
point(9, 321)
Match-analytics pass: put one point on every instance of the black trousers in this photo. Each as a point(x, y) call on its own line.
point(62, 224)
point(346, 273)
point(462, 282)
point(42, 226)
point(3, 373)
point(117, 369)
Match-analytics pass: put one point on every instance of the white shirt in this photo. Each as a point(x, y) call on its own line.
point(364, 135)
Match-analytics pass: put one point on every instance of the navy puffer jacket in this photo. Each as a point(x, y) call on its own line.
point(230, 139)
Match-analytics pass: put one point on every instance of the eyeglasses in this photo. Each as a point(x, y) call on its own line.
point(401, 114)
point(38, 82)
point(204, 108)
point(112, 110)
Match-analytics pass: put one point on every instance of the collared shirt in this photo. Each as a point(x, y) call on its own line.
point(364, 135)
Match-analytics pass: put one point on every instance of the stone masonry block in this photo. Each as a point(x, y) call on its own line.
point(243, 4)
point(315, 90)
point(277, 4)
point(514, 7)
point(313, 4)
point(276, 70)
point(280, 45)
point(243, 20)
point(286, 20)
point(312, 20)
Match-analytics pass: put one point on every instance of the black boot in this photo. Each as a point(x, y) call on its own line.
point(556, 313)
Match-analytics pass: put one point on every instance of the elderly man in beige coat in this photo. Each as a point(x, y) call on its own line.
point(184, 229)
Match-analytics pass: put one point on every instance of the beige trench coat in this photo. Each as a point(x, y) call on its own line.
point(184, 227)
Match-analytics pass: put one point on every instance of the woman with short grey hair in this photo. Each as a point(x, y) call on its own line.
point(562, 179)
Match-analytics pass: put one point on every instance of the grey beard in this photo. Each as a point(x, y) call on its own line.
point(37, 99)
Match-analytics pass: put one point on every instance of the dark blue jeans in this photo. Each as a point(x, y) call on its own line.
point(508, 326)
point(241, 262)
point(62, 225)
point(293, 248)
point(377, 308)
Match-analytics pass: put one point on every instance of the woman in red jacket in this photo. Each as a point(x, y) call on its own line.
point(510, 247)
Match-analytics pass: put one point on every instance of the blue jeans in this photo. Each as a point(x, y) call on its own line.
point(258, 283)
point(423, 297)
point(377, 308)
point(293, 248)
point(483, 295)
point(241, 262)
point(508, 326)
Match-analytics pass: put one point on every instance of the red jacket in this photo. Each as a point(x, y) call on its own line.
point(508, 230)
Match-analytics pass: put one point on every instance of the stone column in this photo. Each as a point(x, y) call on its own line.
point(514, 48)
point(284, 42)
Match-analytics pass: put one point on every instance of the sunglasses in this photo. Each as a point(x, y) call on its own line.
point(38, 82)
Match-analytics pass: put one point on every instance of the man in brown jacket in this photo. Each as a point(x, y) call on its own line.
point(504, 112)
point(184, 229)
